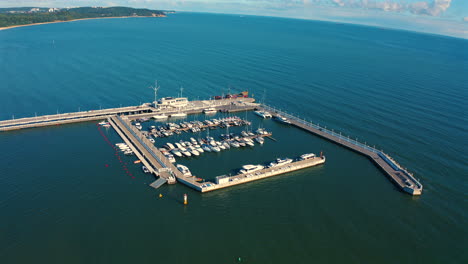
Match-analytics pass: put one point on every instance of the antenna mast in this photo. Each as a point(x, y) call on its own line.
point(155, 88)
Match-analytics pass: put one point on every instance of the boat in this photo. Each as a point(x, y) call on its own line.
point(282, 119)
point(137, 161)
point(209, 111)
point(226, 145)
point(260, 140)
point(170, 157)
point(249, 142)
point(128, 152)
point(215, 148)
point(250, 168)
point(151, 140)
point(241, 142)
point(244, 134)
point(169, 146)
point(138, 126)
point(104, 124)
point(261, 131)
point(263, 114)
point(206, 148)
point(176, 152)
point(179, 115)
point(307, 156)
point(145, 170)
point(199, 148)
point(234, 144)
point(185, 152)
point(185, 171)
point(160, 117)
point(280, 162)
point(193, 151)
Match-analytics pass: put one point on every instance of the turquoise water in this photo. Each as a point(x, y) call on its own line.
point(66, 197)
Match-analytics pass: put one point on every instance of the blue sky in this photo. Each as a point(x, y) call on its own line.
point(446, 17)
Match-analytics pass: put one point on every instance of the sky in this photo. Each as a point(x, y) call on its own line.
point(444, 17)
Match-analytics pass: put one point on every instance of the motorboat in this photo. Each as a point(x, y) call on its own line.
point(176, 152)
point(206, 148)
point(160, 117)
point(244, 134)
point(250, 168)
point(209, 111)
point(226, 145)
point(282, 119)
point(234, 144)
point(138, 126)
point(307, 156)
point(145, 170)
point(169, 146)
point(170, 157)
point(260, 140)
point(215, 148)
point(280, 162)
point(185, 171)
point(263, 114)
point(193, 151)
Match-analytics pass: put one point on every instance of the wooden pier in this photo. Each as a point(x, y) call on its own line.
point(400, 176)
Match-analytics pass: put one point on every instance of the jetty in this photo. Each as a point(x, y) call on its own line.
point(400, 176)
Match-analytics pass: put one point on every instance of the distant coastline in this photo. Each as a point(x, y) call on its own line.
point(71, 20)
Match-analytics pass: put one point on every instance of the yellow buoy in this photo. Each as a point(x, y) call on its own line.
point(160, 195)
point(185, 199)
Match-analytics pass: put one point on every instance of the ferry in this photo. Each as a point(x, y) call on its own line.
point(282, 119)
point(185, 171)
point(250, 168)
point(263, 114)
point(280, 162)
point(209, 111)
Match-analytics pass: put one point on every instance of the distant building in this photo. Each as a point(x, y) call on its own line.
point(51, 10)
point(35, 9)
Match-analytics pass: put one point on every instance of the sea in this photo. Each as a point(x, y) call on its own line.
point(66, 196)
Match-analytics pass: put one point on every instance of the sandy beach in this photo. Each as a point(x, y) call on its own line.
point(63, 21)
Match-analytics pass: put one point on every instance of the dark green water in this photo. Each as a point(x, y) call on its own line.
point(405, 92)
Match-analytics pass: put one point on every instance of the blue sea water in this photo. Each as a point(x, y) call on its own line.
point(405, 92)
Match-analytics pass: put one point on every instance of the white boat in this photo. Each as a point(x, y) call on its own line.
point(193, 140)
point(263, 114)
point(151, 140)
point(244, 134)
point(170, 157)
point(138, 126)
point(176, 152)
point(179, 115)
point(128, 152)
point(206, 148)
point(241, 142)
point(185, 171)
point(104, 124)
point(234, 144)
point(226, 145)
point(307, 156)
point(169, 146)
point(249, 142)
point(185, 152)
point(145, 170)
point(282, 119)
point(250, 168)
point(209, 111)
point(193, 151)
point(160, 117)
point(260, 140)
point(261, 131)
point(280, 162)
point(220, 145)
point(178, 145)
point(215, 148)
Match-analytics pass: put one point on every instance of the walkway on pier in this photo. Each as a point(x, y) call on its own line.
point(397, 174)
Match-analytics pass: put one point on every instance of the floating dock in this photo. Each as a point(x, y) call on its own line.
point(400, 176)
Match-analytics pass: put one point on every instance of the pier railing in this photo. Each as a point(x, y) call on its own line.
point(323, 129)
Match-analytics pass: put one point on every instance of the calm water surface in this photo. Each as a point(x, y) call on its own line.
point(65, 197)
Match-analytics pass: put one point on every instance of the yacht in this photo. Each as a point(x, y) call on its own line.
point(206, 148)
point(185, 152)
point(249, 142)
point(250, 168)
point(215, 148)
point(178, 145)
point(138, 126)
point(244, 134)
point(145, 170)
point(241, 142)
point(160, 117)
point(260, 140)
point(199, 149)
point(185, 171)
point(176, 152)
point(226, 145)
point(234, 144)
point(169, 146)
point(263, 114)
point(261, 131)
point(170, 157)
point(280, 162)
point(193, 151)
point(282, 119)
point(209, 111)
point(307, 156)
point(179, 115)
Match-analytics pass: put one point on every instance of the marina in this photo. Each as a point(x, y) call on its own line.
point(127, 122)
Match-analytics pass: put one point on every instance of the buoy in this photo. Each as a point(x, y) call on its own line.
point(185, 198)
point(160, 195)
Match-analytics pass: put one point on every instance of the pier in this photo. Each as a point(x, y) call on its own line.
point(132, 112)
point(400, 176)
